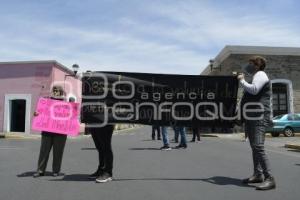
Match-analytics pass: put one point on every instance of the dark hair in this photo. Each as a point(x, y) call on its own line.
point(59, 88)
point(71, 99)
point(259, 61)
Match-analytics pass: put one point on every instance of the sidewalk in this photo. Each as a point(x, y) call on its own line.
point(17, 135)
point(237, 136)
point(37, 136)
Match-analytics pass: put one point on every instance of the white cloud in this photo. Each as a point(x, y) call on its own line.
point(181, 39)
point(114, 51)
point(206, 25)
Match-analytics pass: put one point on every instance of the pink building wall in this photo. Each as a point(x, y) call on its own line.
point(71, 85)
point(34, 79)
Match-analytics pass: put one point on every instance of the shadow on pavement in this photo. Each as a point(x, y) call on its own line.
point(74, 177)
point(30, 174)
point(221, 180)
point(137, 149)
point(88, 148)
point(217, 180)
point(297, 164)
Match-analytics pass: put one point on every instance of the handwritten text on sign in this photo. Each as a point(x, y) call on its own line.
point(57, 117)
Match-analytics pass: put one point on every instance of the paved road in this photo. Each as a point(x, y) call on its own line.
point(208, 170)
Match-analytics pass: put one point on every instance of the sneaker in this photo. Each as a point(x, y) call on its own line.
point(55, 174)
point(165, 148)
point(38, 174)
point(268, 184)
point(253, 179)
point(95, 174)
point(105, 177)
point(192, 141)
point(181, 146)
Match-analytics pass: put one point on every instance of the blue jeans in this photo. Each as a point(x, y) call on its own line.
point(164, 134)
point(176, 133)
point(181, 131)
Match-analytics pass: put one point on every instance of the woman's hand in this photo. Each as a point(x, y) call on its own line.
point(240, 76)
point(35, 114)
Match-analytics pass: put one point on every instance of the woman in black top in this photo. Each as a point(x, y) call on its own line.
point(102, 139)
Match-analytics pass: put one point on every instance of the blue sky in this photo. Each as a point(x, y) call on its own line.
point(166, 36)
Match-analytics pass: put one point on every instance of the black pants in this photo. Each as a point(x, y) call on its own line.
point(256, 133)
point(49, 140)
point(155, 128)
point(196, 133)
point(102, 139)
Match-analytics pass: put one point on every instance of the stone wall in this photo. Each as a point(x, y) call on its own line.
point(278, 67)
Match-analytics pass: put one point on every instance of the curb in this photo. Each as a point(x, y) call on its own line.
point(209, 135)
point(126, 129)
point(37, 136)
point(223, 135)
point(19, 136)
point(292, 146)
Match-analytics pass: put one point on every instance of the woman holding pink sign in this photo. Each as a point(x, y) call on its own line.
point(49, 140)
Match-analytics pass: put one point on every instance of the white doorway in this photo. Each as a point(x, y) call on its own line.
point(17, 113)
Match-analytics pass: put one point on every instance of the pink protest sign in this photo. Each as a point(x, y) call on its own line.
point(57, 117)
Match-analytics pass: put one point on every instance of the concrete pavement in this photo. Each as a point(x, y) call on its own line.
point(208, 170)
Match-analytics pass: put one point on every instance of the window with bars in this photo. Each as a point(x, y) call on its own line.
point(280, 103)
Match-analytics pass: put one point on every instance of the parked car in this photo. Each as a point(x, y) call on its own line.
point(286, 124)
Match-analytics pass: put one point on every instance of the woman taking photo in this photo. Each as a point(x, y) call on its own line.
point(258, 93)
